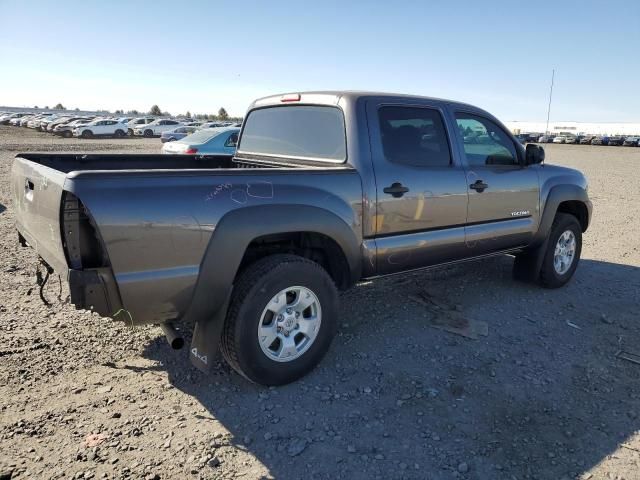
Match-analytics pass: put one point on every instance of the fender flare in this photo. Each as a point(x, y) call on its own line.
point(238, 228)
point(226, 249)
point(528, 264)
point(557, 195)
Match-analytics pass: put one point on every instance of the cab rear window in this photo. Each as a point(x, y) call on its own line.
point(297, 131)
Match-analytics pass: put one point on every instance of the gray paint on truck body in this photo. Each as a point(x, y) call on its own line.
point(175, 236)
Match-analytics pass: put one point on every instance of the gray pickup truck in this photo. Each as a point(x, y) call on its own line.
point(325, 189)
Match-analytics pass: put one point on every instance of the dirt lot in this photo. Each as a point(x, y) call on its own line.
point(543, 396)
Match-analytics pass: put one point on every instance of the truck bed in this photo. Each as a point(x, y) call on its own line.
point(143, 222)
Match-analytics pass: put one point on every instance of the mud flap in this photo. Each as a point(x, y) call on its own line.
point(206, 339)
point(527, 265)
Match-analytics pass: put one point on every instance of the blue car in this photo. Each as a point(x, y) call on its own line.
point(207, 141)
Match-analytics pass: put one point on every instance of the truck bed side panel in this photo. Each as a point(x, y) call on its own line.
point(156, 227)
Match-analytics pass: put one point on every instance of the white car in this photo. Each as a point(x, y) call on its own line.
point(155, 128)
point(138, 122)
point(101, 128)
point(559, 139)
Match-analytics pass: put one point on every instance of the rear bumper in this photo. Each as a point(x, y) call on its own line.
point(95, 290)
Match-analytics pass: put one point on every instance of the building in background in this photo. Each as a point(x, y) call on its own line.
point(577, 128)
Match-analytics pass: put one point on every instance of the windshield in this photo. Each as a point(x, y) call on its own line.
point(302, 131)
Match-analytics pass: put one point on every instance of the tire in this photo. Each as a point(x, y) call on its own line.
point(148, 133)
point(130, 132)
point(254, 290)
point(119, 133)
point(67, 134)
point(550, 277)
point(86, 134)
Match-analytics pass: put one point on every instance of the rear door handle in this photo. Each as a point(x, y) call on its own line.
point(396, 190)
point(479, 186)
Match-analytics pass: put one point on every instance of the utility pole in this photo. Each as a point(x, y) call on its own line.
point(553, 73)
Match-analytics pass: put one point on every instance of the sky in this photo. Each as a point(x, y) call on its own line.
point(199, 56)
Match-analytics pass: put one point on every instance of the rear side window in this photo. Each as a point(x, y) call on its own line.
point(414, 136)
point(301, 131)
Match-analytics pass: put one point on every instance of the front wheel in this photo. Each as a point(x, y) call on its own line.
point(86, 134)
point(119, 133)
point(281, 319)
point(148, 133)
point(563, 251)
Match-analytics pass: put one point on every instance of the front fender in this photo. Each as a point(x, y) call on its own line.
point(556, 195)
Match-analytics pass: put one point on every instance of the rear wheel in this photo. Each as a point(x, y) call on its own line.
point(119, 133)
point(86, 134)
point(130, 132)
point(67, 134)
point(281, 320)
point(563, 251)
point(148, 133)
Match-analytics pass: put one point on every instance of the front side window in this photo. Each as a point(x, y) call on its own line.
point(414, 136)
point(299, 131)
point(485, 143)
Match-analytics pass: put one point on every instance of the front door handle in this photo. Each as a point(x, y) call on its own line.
point(396, 190)
point(479, 186)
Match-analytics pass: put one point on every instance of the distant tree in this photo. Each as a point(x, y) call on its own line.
point(155, 110)
point(133, 112)
point(119, 112)
point(47, 107)
point(188, 114)
point(222, 114)
point(59, 106)
point(35, 106)
point(77, 109)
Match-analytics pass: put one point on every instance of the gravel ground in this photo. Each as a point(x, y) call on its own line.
point(543, 396)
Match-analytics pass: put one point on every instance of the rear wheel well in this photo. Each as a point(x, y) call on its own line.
point(578, 210)
point(312, 245)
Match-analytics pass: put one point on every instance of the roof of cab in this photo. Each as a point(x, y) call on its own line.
point(334, 96)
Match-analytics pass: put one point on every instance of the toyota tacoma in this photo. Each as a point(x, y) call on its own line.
point(326, 189)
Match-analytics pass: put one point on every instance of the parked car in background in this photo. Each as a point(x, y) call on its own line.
point(600, 140)
point(212, 125)
point(586, 140)
point(5, 119)
point(45, 122)
point(22, 121)
point(16, 121)
point(546, 139)
point(66, 129)
point(138, 122)
point(207, 141)
point(616, 141)
point(559, 139)
point(177, 133)
point(101, 128)
point(631, 142)
point(155, 128)
point(571, 139)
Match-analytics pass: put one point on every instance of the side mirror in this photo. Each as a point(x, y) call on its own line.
point(534, 154)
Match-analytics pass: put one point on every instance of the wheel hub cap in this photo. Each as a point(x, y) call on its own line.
point(564, 252)
point(289, 324)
